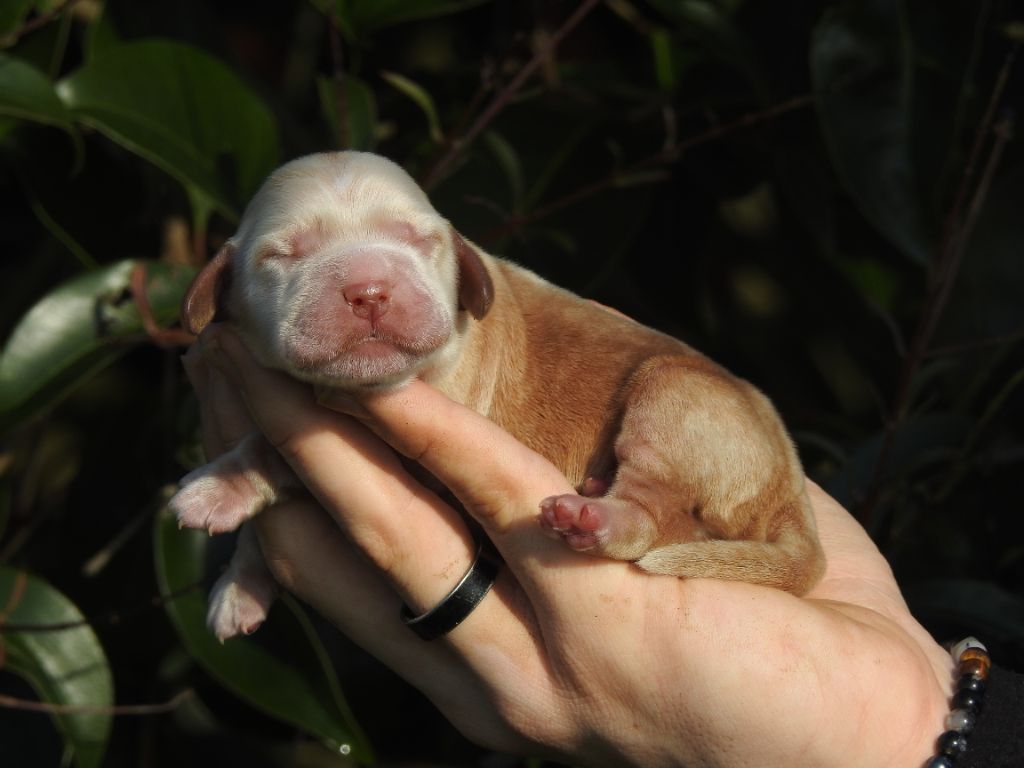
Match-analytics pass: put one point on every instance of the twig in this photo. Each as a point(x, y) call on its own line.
point(110, 617)
point(960, 115)
point(39, 21)
point(10, 702)
point(165, 338)
point(665, 156)
point(501, 100)
point(970, 346)
point(956, 235)
point(748, 120)
point(338, 74)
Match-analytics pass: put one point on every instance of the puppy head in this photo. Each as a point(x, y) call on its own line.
point(342, 273)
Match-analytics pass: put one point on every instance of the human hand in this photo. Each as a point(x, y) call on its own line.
point(581, 659)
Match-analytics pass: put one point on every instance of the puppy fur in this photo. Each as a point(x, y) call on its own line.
point(343, 275)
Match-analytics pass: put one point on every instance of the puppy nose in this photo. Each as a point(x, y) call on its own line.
point(368, 300)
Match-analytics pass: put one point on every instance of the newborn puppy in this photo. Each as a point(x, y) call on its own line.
point(343, 275)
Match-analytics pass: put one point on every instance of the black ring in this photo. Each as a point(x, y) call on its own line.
point(459, 603)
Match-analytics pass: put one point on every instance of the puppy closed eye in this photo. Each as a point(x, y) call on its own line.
point(269, 254)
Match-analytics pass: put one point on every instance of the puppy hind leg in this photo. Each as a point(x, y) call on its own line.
point(605, 526)
point(241, 597)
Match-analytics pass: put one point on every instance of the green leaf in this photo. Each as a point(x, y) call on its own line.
point(6, 494)
point(100, 35)
point(508, 160)
point(359, 17)
point(78, 329)
point(927, 439)
point(664, 65)
point(710, 25)
point(12, 15)
point(182, 110)
point(361, 112)
point(422, 99)
point(863, 77)
point(66, 667)
point(297, 684)
point(27, 93)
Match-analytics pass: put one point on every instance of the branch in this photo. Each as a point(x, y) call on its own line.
point(28, 705)
point(38, 22)
point(500, 101)
point(669, 154)
point(338, 74)
point(110, 617)
point(956, 235)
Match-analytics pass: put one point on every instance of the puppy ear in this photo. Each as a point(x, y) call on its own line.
point(204, 299)
point(476, 291)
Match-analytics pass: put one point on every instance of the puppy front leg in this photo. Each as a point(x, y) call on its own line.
point(223, 494)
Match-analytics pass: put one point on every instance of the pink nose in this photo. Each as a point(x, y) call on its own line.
point(368, 300)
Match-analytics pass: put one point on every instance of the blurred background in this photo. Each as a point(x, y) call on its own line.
point(826, 197)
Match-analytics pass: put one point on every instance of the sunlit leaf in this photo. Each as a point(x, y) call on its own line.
point(78, 329)
point(422, 99)
point(66, 667)
point(296, 684)
point(184, 111)
point(27, 93)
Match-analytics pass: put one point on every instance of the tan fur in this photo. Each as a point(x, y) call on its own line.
point(704, 481)
point(699, 455)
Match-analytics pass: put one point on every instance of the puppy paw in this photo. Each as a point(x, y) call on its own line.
point(581, 522)
point(238, 606)
point(216, 500)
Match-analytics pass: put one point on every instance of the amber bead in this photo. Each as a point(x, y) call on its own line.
point(973, 652)
point(976, 656)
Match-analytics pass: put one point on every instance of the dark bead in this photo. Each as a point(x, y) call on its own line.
point(952, 743)
point(968, 700)
point(971, 683)
point(940, 761)
point(975, 667)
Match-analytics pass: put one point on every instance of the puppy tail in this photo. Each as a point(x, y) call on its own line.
point(792, 562)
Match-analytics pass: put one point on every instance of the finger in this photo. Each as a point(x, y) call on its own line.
point(417, 542)
point(310, 558)
point(499, 480)
point(223, 418)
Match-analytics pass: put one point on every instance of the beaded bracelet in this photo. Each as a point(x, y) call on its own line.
point(972, 668)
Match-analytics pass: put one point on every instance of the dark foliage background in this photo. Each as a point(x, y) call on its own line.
point(824, 196)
